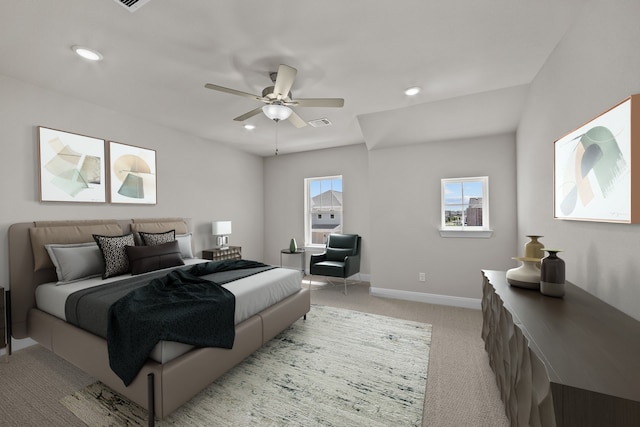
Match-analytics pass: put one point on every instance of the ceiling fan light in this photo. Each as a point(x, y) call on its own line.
point(277, 111)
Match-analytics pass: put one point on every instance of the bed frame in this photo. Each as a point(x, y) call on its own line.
point(159, 388)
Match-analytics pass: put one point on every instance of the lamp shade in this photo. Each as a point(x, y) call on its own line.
point(277, 111)
point(219, 228)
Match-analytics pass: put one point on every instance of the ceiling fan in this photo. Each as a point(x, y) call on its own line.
point(278, 98)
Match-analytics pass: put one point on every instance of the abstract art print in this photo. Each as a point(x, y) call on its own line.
point(72, 167)
point(132, 173)
point(592, 171)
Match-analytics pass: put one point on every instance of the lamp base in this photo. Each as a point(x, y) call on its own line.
point(222, 242)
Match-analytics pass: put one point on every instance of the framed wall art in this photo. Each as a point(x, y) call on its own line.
point(71, 167)
point(132, 172)
point(596, 167)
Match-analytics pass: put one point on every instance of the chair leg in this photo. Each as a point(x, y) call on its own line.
point(345, 285)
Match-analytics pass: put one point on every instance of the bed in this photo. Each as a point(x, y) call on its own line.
point(175, 372)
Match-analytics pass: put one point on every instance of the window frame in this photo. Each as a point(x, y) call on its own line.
point(309, 213)
point(483, 231)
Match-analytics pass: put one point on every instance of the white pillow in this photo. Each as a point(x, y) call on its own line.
point(76, 261)
point(184, 241)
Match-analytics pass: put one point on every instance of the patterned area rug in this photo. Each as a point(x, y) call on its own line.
point(337, 368)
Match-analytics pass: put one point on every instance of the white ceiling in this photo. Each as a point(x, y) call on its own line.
point(473, 60)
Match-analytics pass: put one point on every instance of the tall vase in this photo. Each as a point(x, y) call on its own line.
point(293, 246)
point(527, 275)
point(533, 248)
point(552, 274)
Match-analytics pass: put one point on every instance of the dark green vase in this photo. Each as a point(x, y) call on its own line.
point(293, 247)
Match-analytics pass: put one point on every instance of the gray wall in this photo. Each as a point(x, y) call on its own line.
point(199, 179)
point(284, 197)
point(594, 67)
point(392, 198)
point(405, 194)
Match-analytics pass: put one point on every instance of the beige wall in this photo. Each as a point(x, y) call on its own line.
point(595, 66)
point(199, 179)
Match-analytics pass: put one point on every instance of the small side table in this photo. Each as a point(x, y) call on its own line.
point(300, 252)
point(218, 254)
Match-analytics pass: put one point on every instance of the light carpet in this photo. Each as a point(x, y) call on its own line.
point(337, 368)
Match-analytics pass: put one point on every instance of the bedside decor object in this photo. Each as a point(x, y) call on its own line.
point(552, 274)
point(221, 229)
point(594, 174)
point(293, 246)
point(72, 167)
point(527, 275)
point(533, 248)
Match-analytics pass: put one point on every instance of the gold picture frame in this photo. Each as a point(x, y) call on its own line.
point(596, 176)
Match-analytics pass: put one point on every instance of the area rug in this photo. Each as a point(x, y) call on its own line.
point(336, 368)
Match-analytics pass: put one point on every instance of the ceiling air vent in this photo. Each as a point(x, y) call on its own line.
point(131, 5)
point(320, 122)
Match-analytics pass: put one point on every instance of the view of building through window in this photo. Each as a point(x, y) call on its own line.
point(463, 203)
point(323, 208)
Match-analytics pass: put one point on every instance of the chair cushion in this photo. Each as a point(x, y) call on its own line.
point(334, 254)
point(328, 268)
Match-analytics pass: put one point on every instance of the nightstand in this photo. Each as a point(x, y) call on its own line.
point(300, 252)
point(217, 254)
point(4, 339)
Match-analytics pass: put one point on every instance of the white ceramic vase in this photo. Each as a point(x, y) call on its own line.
point(527, 275)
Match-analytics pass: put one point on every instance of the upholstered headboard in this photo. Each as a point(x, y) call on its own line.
point(30, 265)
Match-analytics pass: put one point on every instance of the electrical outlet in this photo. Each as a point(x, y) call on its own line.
point(422, 277)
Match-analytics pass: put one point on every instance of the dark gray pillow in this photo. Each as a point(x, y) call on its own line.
point(150, 239)
point(149, 258)
point(334, 254)
point(114, 253)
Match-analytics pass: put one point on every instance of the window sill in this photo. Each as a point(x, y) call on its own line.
point(479, 234)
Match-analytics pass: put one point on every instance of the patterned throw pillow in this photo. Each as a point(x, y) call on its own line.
point(114, 252)
point(152, 239)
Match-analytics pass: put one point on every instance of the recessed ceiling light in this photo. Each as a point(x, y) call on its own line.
point(86, 53)
point(412, 91)
point(249, 127)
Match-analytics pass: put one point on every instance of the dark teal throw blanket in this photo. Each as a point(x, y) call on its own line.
point(181, 306)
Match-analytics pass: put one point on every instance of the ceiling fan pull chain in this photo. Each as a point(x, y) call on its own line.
point(277, 121)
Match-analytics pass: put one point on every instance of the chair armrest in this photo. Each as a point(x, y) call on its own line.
point(351, 265)
point(318, 258)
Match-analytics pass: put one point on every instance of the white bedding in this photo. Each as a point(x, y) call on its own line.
point(253, 294)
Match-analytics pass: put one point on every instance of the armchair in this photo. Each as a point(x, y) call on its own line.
point(341, 258)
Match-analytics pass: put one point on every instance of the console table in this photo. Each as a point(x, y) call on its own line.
point(572, 361)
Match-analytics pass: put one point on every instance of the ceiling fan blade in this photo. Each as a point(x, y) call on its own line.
point(232, 91)
point(284, 80)
point(296, 120)
point(248, 115)
point(319, 102)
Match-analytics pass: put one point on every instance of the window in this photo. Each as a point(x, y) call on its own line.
point(465, 207)
point(322, 196)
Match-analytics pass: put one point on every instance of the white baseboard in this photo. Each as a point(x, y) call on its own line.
point(428, 298)
point(20, 344)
